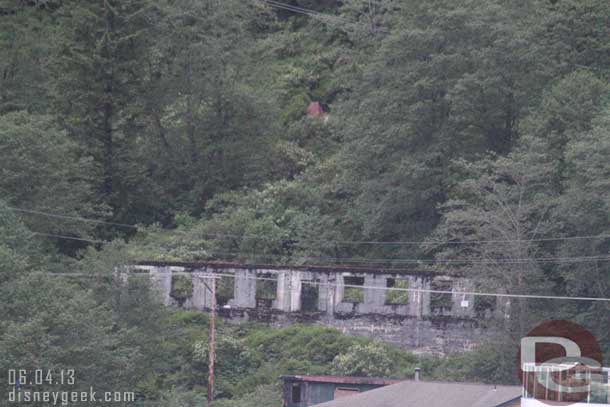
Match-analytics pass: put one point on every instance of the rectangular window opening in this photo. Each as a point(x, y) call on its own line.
point(484, 306)
point(182, 288)
point(266, 287)
point(397, 297)
point(354, 290)
point(441, 303)
point(225, 290)
point(309, 295)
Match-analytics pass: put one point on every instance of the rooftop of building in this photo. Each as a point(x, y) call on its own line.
point(377, 381)
point(433, 394)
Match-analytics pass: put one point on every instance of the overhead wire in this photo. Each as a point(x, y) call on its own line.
point(348, 260)
point(69, 217)
point(80, 239)
point(335, 241)
point(384, 263)
point(305, 11)
point(329, 284)
point(316, 14)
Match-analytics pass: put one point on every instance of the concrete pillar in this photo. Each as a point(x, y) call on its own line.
point(419, 301)
point(289, 288)
point(296, 286)
point(463, 305)
point(415, 297)
point(425, 299)
point(282, 298)
point(503, 307)
point(339, 285)
point(330, 291)
point(374, 297)
point(121, 274)
point(245, 289)
point(202, 295)
point(161, 280)
point(325, 294)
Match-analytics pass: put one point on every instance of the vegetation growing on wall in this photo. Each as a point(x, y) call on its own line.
point(182, 288)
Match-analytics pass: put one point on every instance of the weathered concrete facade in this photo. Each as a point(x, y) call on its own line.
point(355, 301)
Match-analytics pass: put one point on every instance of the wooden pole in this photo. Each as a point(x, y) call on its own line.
point(212, 344)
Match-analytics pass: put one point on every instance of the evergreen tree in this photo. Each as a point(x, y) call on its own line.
point(98, 73)
point(43, 170)
point(207, 133)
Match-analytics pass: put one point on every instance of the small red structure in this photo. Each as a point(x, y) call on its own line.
point(315, 110)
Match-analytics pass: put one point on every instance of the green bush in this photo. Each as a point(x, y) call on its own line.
point(398, 297)
point(182, 288)
point(353, 295)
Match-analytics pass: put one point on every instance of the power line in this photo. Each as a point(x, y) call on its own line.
point(316, 14)
point(348, 260)
point(466, 242)
point(78, 218)
point(379, 262)
point(305, 11)
point(69, 238)
point(396, 289)
point(576, 259)
point(331, 241)
point(431, 291)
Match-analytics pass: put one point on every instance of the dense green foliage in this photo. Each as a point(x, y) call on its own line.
point(480, 121)
point(119, 337)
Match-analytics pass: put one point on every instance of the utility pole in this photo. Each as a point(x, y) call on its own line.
point(212, 343)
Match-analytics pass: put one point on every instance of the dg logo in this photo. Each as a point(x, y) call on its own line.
point(560, 363)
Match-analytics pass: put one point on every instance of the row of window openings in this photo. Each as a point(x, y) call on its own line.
point(266, 292)
point(353, 292)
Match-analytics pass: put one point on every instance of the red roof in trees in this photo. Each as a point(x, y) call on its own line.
point(315, 109)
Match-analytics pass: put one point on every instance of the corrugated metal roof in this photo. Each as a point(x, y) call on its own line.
point(342, 380)
point(431, 394)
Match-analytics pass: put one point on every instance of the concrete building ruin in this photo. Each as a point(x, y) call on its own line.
point(355, 301)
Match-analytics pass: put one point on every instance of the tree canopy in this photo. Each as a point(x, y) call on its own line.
point(178, 130)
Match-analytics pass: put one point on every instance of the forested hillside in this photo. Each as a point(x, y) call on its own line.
point(459, 136)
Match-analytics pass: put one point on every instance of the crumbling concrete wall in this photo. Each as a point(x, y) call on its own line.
point(412, 324)
point(161, 281)
point(289, 288)
point(428, 335)
point(202, 290)
point(245, 288)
